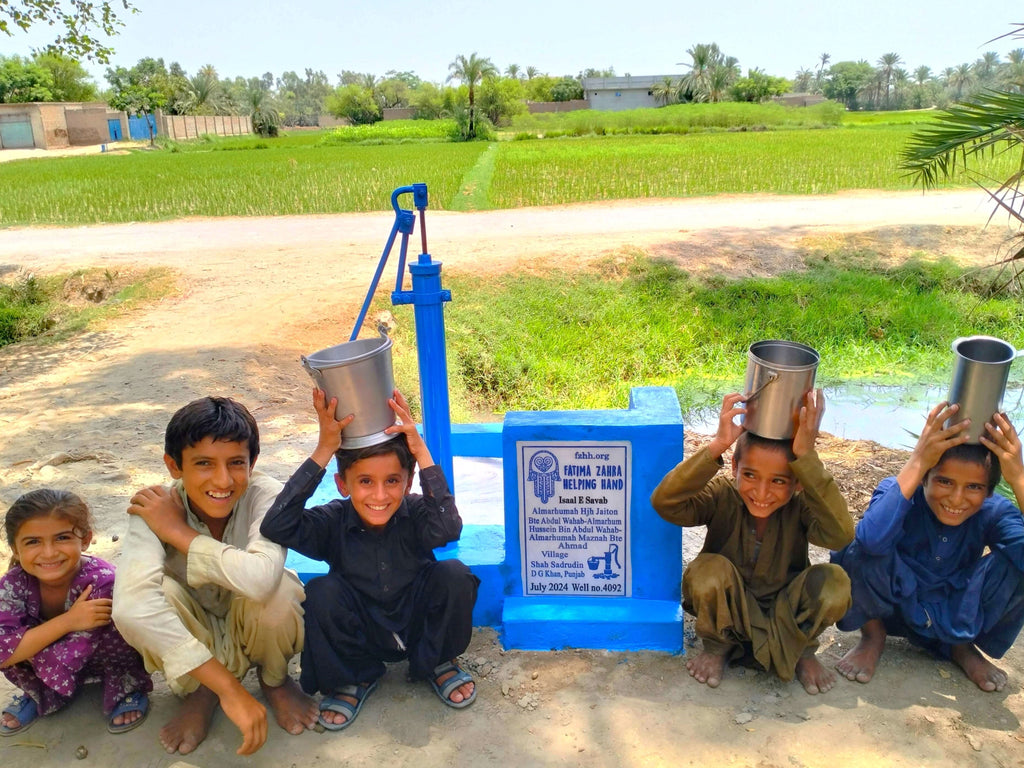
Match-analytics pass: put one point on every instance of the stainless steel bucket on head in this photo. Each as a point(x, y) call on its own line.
point(360, 374)
point(779, 374)
point(981, 367)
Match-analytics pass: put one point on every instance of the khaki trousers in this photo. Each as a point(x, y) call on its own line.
point(780, 629)
point(266, 634)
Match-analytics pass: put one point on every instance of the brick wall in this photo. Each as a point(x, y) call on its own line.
point(87, 125)
point(557, 106)
point(191, 126)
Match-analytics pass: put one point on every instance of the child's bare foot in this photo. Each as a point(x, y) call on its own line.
point(982, 672)
point(293, 709)
point(706, 668)
point(859, 664)
point(813, 675)
point(189, 727)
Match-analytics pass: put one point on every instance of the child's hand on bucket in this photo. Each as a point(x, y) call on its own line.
point(809, 422)
point(733, 405)
point(407, 425)
point(330, 428)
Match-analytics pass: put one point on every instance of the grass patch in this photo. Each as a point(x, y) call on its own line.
point(568, 341)
point(203, 181)
point(678, 118)
point(472, 195)
point(392, 132)
point(774, 162)
point(56, 306)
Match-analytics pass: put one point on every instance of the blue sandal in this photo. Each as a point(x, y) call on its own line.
point(337, 704)
point(444, 690)
point(24, 708)
point(133, 702)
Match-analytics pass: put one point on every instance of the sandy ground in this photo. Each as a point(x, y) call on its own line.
point(88, 414)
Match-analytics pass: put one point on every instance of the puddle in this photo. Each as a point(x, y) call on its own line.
point(888, 414)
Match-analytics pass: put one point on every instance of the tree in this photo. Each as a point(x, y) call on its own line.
point(824, 59)
point(80, 19)
point(666, 92)
point(471, 71)
point(24, 81)
point(512, 70)
point(138, 91)
point(887, 65)
point(501, 99)
point(758, 87)
point(711, 73)
point(961, 77)
point(990, 123)
point(265, 120)
point(70, 80)
point(847, 80)
point(204, 92)
point(802, 81)
point(354, 102)
point(566, 89)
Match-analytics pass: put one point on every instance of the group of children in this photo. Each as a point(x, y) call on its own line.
point(915, 566)
point(202, 593)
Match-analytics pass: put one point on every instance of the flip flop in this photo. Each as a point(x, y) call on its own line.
point(445, 689)
point(133, 702)
point(351, 711)
point(24, 708)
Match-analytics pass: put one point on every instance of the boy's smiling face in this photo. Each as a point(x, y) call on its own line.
point(764, 480)
point(955, 490)
point(377, 485)
point(215, 474)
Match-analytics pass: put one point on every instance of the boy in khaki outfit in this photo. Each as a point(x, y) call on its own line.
point(752, 588)
point(200, 593)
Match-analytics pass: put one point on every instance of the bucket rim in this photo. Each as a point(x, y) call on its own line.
point(754, 357)
point(323, 365)
point(1011, 350)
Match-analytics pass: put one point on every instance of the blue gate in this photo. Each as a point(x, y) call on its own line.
point(138, 128)
point(114, 126)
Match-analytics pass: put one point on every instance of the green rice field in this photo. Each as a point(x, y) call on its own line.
point(355, 169)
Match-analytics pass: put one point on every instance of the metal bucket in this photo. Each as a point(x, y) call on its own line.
point(360, 375)
point(779, 374)
point(981, 367)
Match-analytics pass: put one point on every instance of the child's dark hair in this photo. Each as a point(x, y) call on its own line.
point(219, 418)
point(47, 502)
point(398, 445)
point(973, 454)
point(749, 440)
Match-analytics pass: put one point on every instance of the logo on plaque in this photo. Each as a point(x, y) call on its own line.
point(543, 475)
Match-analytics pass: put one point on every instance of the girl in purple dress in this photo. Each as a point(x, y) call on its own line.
point(55, 628)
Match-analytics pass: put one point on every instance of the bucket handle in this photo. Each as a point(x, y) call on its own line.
point(772, 376)
point(314, 372)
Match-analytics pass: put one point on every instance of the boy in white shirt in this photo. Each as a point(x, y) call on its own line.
point(200, 593)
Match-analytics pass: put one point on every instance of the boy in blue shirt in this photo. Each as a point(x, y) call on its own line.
point(385, 597)
point(917, 566)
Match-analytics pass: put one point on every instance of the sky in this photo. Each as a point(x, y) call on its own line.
point(645, 37)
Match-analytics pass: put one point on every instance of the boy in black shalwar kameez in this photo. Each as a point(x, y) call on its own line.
point(386, 597)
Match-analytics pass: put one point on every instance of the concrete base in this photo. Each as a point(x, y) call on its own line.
point(615, 624)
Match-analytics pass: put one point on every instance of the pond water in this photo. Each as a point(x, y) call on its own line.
point(888, 414)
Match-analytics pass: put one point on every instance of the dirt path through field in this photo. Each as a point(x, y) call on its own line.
point(255, 293)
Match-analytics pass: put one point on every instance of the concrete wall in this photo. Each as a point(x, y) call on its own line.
point(535, 107)
point(53, 124)
point(180, 127)
point(618, 93)
point(399, 113)
point(799, 99)
point(87, 124)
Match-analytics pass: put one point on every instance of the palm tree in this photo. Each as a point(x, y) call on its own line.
point(512, 70)
point(532, 72)
point(886, 65)
point(985, 67)
point(666, 92)
point(204, 91)
point(824, 58)
point(961, 77)
point(802, 80)
point(991, 122)
point(922, 75)
point(471, 71)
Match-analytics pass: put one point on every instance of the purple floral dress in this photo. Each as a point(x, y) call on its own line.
point(54, 675)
